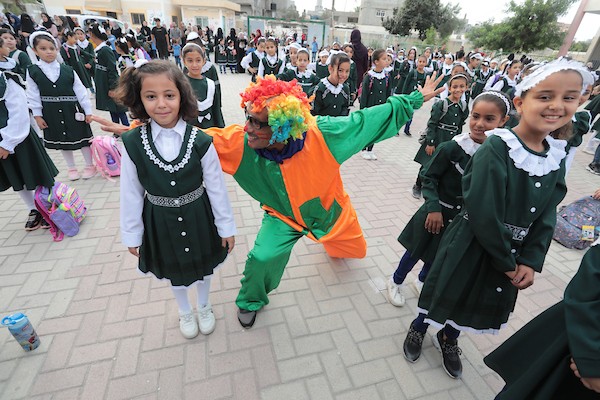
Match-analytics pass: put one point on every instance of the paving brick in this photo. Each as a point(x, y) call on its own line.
point(132, 386)
point(370, 372)
point(229, 362)
point(170, 383)
point(325, 323)
point(127, 358)
point(122, 329)
point(378, 348)
point(248, 339)
point(161, 359)
point(146, 310)
point(313, 343)
point(299, 367)
point(295, 321)
point(214, 388)
point(60, 351)
point(57, 325)
point(196, 362)
point(97, 380)
point(90, 328)
point(289, 391)
point(346, 347)
point(390, 390)
point(93, 352)
point(369, 392)
point(57, 380)
point(335, 370)
point(282, 342)
point(87, 306)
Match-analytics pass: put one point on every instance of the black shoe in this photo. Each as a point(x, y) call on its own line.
point(407, 133)
point(34, 221)
point(416, 191)
point(413, 344)
point(450, 354)
point(246, 317)
point(594, 168)
point(44, 224)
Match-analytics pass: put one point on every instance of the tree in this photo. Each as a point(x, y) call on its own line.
point(422, 15)
point(581, 46)
point(290, 13)
point(533, 25)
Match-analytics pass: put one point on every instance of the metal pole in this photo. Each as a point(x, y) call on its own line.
point(564, 49)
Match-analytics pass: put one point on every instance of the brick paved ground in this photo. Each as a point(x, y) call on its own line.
point(328, 333)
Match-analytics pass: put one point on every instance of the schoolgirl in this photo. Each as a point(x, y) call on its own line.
point(209, 70)
point(231, 53)
point(71, 54)
point(60, 105)
point(175, 213)
point(88, 56)
point(135, 49)
point(353, 83)
point(271, 64)
point(332, 94)
point(497, 242)
point(446, 68)
point(252, 60)
point(106, 76)
point(508, 83)
point(209, 103)
point(376, 88)
point(446, 121)
point(458, 68)
point(126, 59)
point(24, 163)
point(409, 63)
point(396, 66)
point(481, 76)
point(443, 192)
point(415, 78)
point(291, 57)
point(305, 77)
point(20, 58)
point(320, 67)
point(474, 62)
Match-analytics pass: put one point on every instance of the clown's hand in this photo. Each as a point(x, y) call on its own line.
point(428, 90)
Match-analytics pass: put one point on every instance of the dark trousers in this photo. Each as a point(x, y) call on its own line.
point(407, 262)
point(119, 117)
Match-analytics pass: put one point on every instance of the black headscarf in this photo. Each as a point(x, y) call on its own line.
point(27, 24)
point(361, 55)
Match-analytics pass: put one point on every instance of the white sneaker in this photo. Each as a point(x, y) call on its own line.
point(394, 292)
point(188, 325)
point(365, 154)
point(373, 156)
point(206, 319)
point(418, 286)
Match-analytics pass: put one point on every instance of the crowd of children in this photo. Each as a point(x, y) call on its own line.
point(490, 193)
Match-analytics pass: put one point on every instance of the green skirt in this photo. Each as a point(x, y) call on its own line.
point(180, 243)
point(29, 166)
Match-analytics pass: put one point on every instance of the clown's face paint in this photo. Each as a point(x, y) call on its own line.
point(257, 138)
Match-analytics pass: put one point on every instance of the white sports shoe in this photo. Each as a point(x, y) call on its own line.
point(418, 286)
point(188, 325)
point(394, 292)
point(365, 154)
point(206, 319)
point(373, 156)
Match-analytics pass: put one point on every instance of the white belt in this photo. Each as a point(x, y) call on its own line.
point(174, 202)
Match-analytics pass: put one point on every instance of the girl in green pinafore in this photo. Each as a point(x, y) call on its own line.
point(24, 164)
point(209, 103)
point(72, 56)
point(498, 241)
point(106, 76)
point(332, 94)
point(88, 56)
point(271, 64)
point(443, 192)
point(304, 76)
point(60, 105)
point(175, 213)
point(20, 58)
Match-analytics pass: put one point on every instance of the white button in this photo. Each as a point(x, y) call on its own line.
point(537, 185)
point(176, 201)
point(53, 85)
point(183, 233)
point(449, 220)
point(187, 249)
point(334, 106)
point(62, 122)
point(513, 251)
point(522, 233)
point(532, 209)
point(458, 207)
point(179, 219)
point(172, 183)
point(59, 110)
point(498, 289)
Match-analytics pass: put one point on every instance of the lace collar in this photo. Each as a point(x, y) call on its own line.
point(157, 159)
point(306, 74)
point(74, 47)
point(272, 59)
point(333, 89)
point(101, 45)
point(465, 142)
point(511, 82)
point(83, 44)
point(536, 164)
point(378, 75)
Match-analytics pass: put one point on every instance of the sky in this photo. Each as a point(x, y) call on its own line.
point(476, 13)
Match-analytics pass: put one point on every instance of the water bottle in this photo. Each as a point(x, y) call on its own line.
point(20, 327)
point(110, 162)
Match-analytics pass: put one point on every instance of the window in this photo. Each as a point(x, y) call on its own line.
point(111, 14)
point(72, 11)
point(273, 6)
point(175, 19)
point(353, 20)
point(137, 18)
point(380, 13)
point(202, 21)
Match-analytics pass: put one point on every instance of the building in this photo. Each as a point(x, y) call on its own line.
point(212, 13)
point(374, 12)
point(263, 8)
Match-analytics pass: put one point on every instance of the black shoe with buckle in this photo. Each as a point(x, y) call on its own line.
point(413, 344)
point(246, 317)
point(34, 221)
point(450, 354)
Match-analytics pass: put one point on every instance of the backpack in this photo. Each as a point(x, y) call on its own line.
point(62, 208)
point(445, 106)
point(570, 220)
point(107, 156)
point(146, 55)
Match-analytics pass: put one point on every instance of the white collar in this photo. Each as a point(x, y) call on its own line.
point(259, 54)
point(465, 142)
point(74, 47)
point(48, 66)
point(272, 59)
point(101, 45)
point(9, 64)
point(333, 89)
point(511, 82)
point(378, 75)
point(306, 74)
point(179, 128)
point(206, 67)
point(322, 65)
point(526, 160)
point(388, 69)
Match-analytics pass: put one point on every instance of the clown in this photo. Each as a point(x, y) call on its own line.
point(290, 162)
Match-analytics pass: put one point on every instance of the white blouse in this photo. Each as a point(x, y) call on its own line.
point(52, 72)
point(168, 143)
point(17, 127)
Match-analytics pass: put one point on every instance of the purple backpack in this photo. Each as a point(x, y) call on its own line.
point(571, 218)
point(62, 208)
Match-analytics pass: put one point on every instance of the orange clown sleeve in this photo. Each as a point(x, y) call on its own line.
point(229, 143)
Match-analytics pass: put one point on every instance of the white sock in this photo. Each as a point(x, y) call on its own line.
point(87, 156)
point(69, 158)
point(27, 197)
point(203, 288)
point(181, 295)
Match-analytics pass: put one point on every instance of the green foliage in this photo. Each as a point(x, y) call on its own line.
point(532, 26)
point(581, 46)
point(422, 15)
point(430, 36)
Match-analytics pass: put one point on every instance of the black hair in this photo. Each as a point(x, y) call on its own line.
point(38, 38)
point(303, 50)
point(460, 54)
point(338, 59)
point(4, 30)
point(130, 86)
point(261, 40)
point(377, 54)
point(496, 97)
point(191, 47)
point(69, 34)
point(459, 76)
point(95, 30)
point(122, 45)
point(132, 41)
point(1, 42)
point(348, 45)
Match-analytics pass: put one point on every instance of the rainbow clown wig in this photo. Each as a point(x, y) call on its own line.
point(288, 107)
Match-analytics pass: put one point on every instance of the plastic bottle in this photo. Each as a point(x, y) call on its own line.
point(110, 162)
point(22, 330)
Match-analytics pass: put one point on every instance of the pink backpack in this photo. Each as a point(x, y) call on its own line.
point(107, 156)
point(62, 208)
